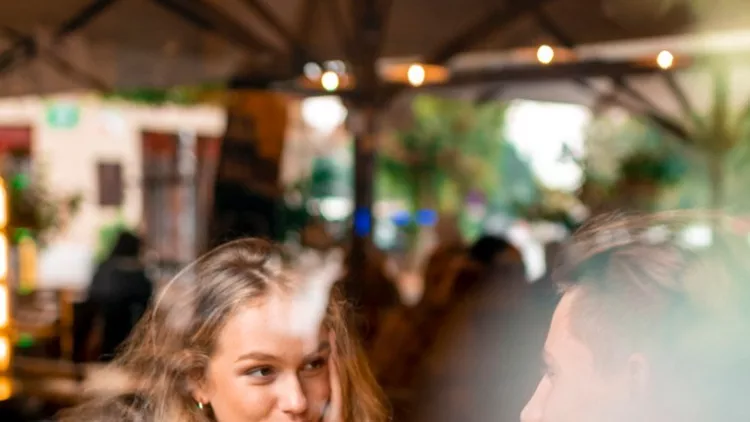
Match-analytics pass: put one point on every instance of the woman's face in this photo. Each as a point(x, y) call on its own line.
point(264, 371)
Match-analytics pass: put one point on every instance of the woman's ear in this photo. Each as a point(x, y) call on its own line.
point(198, 386)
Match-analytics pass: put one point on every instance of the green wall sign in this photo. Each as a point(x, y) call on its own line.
point(63, 115)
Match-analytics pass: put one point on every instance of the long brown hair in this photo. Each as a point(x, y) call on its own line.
point(177, 336)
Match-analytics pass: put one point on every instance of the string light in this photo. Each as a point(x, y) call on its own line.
point(312, 71)
point(665, 60)
point(545, 54)
point(416, 74)
point(330, 81)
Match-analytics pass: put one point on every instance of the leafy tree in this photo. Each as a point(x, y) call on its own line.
point(452, 149)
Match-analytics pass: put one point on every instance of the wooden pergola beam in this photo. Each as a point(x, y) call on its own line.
point(473, 34)
point(494, 78)
point(680, 96)
point(25, 47)
point(207, 18)
point(308, 12)
point(298, 48)
point(560, 71)
point(486, 25)
point(345, 34)
point(64, 66)
point(651, 112)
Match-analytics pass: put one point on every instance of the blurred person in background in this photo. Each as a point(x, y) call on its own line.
point(117, 298)
point(431, 354)
point(650, 327)
point(484, 350)
point(241, 336)
point(120, 291)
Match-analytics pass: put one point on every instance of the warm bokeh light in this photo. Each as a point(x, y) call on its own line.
point(329, 81)
point(3, 258)
point(3, 205)
point(312, 70)
point(416, 74)
point(6, 388)
point(324, 114)
point(4, 307)
point(27, 263)
point(665, 60)
point(4, 354)
point(545, 54)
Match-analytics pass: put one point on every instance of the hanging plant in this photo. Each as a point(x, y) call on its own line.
point(186, 95)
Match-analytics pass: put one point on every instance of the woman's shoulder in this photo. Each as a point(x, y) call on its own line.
point(129, 407)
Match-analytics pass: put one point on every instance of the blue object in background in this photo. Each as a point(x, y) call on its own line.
point(362, 222)
point(426, 217)
point(401, 218)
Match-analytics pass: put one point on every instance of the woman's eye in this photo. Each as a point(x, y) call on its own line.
point(261, 372)
point(316, 364)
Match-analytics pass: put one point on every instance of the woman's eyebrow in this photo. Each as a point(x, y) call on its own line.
point(255, 356)
point(324, 346)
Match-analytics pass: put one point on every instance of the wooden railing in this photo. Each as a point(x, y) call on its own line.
point(46, 315)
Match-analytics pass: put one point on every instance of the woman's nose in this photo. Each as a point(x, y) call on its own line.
point(292, 399)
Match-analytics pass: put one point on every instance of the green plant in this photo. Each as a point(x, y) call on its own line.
point(631, 163)
point(33, 208)
point(184, 95)
point(451, 150)
point(663, 168)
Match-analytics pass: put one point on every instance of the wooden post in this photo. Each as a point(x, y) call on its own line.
point(362, 123)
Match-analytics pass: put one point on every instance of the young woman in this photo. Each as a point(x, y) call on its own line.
point(236, 337)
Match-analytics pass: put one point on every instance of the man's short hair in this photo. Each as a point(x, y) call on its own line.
point(642, 287)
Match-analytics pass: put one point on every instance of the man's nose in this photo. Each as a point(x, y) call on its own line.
point(292, 399)
point(533, 411)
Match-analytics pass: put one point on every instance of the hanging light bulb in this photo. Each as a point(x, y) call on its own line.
point(665, 60)
point(330, 81)
point(416, 74)
point(312, 70)
point(545, 54)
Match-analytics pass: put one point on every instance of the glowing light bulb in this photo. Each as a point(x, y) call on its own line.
point(330, 81)
point(665, 60)
point(4, 354)
point(416, 75)
point(545, 54)
point(4, 307)
point(312, 70)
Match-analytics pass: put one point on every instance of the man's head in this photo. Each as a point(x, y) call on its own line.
point(649, 328)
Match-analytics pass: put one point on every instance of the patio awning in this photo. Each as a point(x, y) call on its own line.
point(62, 45)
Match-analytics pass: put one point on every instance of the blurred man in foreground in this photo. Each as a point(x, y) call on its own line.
point(650, 327)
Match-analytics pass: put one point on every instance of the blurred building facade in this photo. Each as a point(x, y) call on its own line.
point(89, 146)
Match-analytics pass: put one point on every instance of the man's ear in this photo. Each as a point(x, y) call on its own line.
point(638, 374)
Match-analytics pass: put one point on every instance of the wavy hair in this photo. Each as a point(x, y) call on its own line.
point(177, 336)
